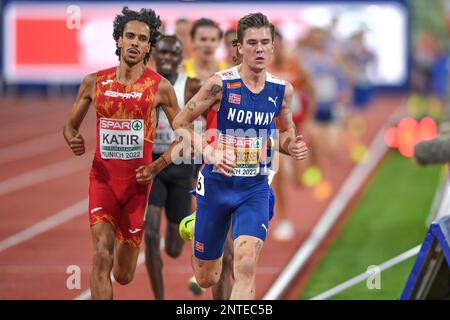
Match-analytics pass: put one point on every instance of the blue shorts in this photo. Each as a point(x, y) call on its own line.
point(362, 95)
point(242, 202)
point(271, 201)
point(325, 113)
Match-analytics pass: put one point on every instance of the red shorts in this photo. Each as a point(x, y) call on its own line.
point(122, 203)
point(299, 115)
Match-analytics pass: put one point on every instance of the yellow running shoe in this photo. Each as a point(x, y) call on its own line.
point(194, 287)
point(186, 227)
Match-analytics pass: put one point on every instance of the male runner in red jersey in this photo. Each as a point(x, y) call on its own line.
point(126, 98)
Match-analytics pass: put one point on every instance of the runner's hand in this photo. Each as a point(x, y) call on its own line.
point(297, 148)
point(224, 161)
point(77, 145)
point(145, 174)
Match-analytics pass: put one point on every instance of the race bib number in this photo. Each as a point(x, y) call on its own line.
point(200, 188)
point(121, 139)
point(247, 151)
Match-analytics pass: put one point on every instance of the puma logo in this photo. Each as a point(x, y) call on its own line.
point(274, 101)
point(107, 81)
point(264, 226)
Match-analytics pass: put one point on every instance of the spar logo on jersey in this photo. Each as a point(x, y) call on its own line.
point(137, 125)
point(200, 247)
point(234, 98)
point(240, 142)
point(115, 124)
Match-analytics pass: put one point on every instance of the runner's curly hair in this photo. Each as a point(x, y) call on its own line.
point(147, 16)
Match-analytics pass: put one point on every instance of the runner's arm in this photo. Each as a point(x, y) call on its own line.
point(80, 108)
point(290, 143)
point(167, 99)
point(193, 85)
point(207, 97)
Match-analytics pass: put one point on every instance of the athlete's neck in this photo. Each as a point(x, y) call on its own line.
point(200, 64)
point(205, 68)
point(127, 74)
point(254, 79)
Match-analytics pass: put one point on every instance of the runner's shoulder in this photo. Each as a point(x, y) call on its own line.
point(193, 83)
point(289, 87)
point(87, 86)
point(228, 74)
point(192, 87)
point(214, 79)
point(90, 79)
point(214, 87)
point(164, 88)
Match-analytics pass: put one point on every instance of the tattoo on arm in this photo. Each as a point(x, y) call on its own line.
point(258, 245)
point(214, 91)
point(191, 106)
point(187, 125)
point(242, 243)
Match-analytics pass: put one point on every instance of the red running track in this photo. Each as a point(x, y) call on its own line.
point(44, 225)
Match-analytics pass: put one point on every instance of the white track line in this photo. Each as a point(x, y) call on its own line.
point(51, 222)
point(363, 276)
point(52, 171)
point(353, 183)
point(31, 147)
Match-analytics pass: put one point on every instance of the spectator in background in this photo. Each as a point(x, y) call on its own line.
point(205, 36)
point(182, 32)
point(171, 186)
point(286, 66)
point(329, 81)
point(362, 59)
point(228, 38)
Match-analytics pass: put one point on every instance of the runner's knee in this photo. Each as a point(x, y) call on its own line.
point(123, 277)
point(103, 261)
point(174, 244)
point(174, 249)
point(207, 277)
point(245, 267)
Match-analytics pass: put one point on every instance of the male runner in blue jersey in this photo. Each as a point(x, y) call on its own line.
point(242, 102)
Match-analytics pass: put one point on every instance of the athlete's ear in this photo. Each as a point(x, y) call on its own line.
point(119, 42)
point(239, 47)
point(149, 46)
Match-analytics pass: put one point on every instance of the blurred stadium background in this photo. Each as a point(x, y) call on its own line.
point(358, 203)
